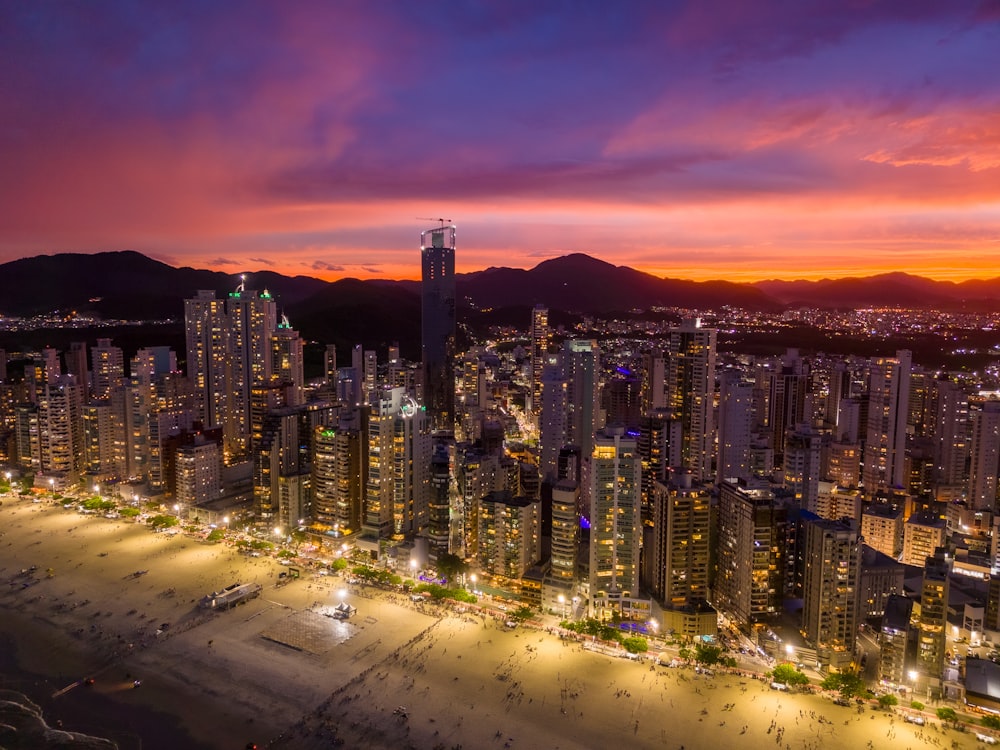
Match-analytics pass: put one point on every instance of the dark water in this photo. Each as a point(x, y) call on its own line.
point(90, 712)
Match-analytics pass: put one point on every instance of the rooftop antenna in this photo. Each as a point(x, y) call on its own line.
point(443, 221)
point(243, 284)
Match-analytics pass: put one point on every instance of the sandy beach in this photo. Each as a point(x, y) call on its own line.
point(122, 604)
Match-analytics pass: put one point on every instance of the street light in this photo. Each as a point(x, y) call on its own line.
point(913, 679)
point(473, 579)
point(790, 651)
point(562, 603)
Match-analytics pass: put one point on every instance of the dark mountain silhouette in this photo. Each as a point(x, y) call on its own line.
point(897, 289)
point(580, 283)
point(125, 284)
point(129, 285)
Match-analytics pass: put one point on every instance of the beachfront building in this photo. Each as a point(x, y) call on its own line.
point(830, 589)
point(933, 621)
point(753, 529)
point(399, 459)
point(510, 535)
point(677, 559)
point(613, 478)
point(561, 578)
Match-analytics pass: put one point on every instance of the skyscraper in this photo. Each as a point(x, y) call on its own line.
point(399, 462)
point(614, 478)
point(679, 556)
point(540, 335)
point(750, 582)
point(437, 292)
point(690, 384)
point(735, 424)
point(888, 408)
point(581, 360)
point(985, 466)
point(830, 588)
point(229, 352)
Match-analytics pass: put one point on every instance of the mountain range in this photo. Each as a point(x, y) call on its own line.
point(129, 285)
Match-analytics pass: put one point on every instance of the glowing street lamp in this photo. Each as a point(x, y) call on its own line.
point(790, 651)
point(473, 579)
point(225, 520)
point(562, 603)
point(913, 680)
point(52, 486)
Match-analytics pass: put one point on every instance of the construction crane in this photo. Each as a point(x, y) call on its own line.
point(443, 221)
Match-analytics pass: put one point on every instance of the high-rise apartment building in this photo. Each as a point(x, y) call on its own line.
point(613, 481)
point(830, 616)
point(790, 400)
point(562, 577)
point(198, 472)
point(803, 453)
point(338, 478)
point(287, 362)
point(539, 337)
point(553, 411)
point(439, 502)
point(985, 465)
point(888, 409)
point(399, 458)
point(752, 546)
point(690, 386)
point(581, 361)
point(736, 421)
point(894, 642)
point(923, 533)
point(228, 353)
point(679, 555)
point(107, 369)
point(437, 291)
point(933, 622)
point(950, 431)
point(510, 534)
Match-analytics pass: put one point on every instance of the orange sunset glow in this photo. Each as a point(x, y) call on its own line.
point(729, 143)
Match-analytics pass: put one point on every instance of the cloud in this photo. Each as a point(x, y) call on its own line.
point(322, 265)
point(223, 262)
point(262, 261)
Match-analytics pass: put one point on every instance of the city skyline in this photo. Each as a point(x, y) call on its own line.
point(685, 141)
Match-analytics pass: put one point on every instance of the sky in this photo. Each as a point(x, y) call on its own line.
point(713, 139)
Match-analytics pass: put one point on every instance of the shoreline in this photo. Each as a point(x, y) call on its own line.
point(279, 672)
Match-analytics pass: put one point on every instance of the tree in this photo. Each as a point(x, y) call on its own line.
point(887, 700)
point(521, 614)
point(635, 644)
point(991, 722)
point(848, 684)
point(707, 655)
point(215, 535)
point(946, 713)
point(916, 705)
point(339, 564)
point(163, 522)
point(789, 675)
point(451, 566)
point(685, 653)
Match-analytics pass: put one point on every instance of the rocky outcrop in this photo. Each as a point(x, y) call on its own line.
point(22, 726)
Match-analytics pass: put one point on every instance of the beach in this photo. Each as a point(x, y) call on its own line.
point(110, 600)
